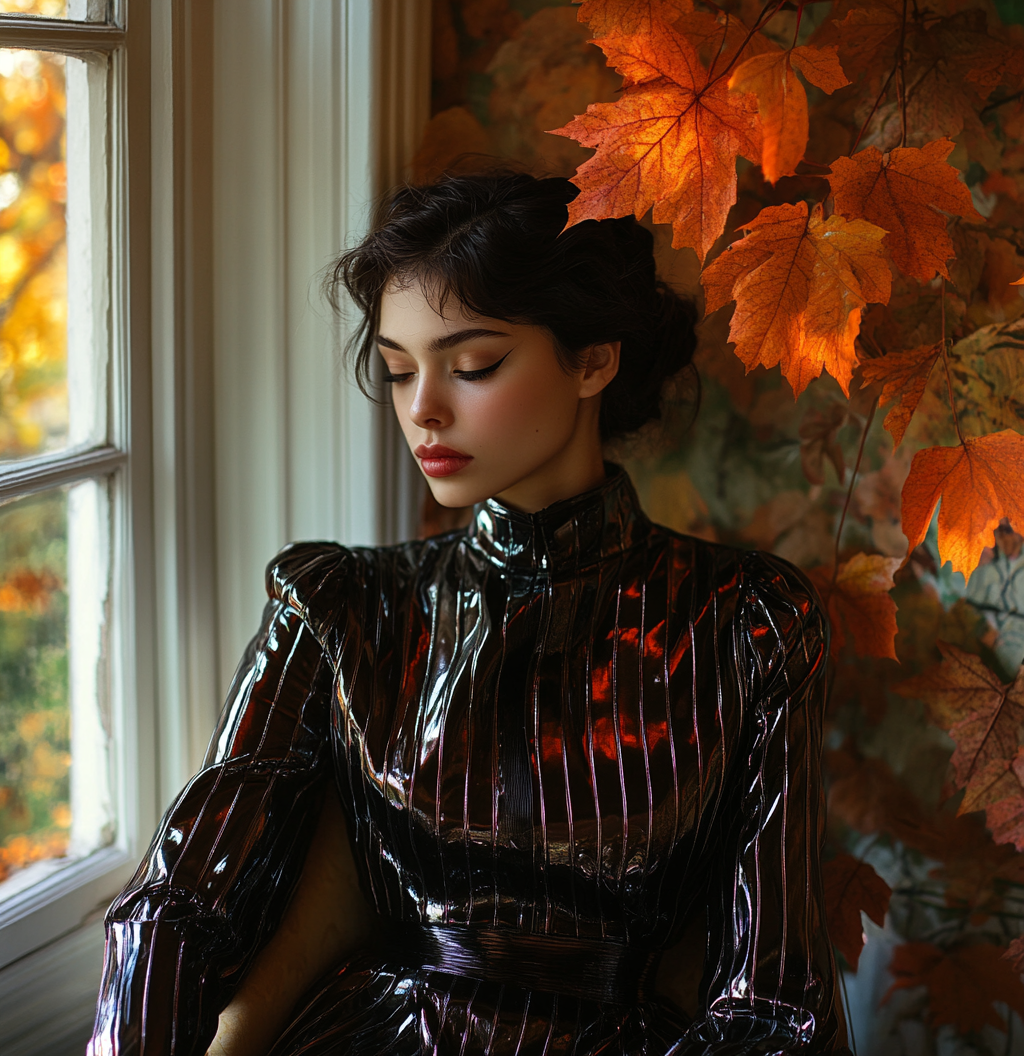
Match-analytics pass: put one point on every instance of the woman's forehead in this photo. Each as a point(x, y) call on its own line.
point(411, 305)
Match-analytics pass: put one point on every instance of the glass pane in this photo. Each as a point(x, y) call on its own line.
point(33, 254)
point(82, 10)
point(52, 200)
point(54, 731)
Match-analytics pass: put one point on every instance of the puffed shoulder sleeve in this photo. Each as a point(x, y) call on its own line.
point(221, 868)
point(769, 983)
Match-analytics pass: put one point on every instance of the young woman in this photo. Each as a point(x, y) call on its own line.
point(557, 737)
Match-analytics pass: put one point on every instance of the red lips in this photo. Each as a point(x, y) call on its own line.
point(440, 461)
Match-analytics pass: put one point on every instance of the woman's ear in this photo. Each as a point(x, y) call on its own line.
point(602, 366)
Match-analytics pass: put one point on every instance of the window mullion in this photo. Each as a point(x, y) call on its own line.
point(57, 34)
point(37, 474)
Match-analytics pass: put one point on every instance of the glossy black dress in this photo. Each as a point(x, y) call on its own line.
point(556, 737)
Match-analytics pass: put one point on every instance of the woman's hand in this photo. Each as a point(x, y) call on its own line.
point(327, 919)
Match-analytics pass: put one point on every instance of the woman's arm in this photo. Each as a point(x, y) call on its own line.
point(221, 869)
point(770, 980)
point(328, 918)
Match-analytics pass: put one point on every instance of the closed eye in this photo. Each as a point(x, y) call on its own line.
point(473, 375)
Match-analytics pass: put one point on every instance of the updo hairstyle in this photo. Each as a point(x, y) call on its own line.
point(497, 243)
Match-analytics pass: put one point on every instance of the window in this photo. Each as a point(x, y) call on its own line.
point(185, 414)
point(64, 513)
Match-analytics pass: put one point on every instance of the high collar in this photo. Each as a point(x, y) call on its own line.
point(565, 535)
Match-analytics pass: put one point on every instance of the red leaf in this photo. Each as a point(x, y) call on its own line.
point(852, 887)
point(984, 717)
point(962, 984)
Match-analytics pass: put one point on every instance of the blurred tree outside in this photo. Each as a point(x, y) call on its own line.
point(34, 714)
point(35, 741)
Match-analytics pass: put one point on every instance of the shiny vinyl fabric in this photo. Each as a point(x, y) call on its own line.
point(556, 737)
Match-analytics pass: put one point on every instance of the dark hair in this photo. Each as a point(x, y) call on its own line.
point(498, 244)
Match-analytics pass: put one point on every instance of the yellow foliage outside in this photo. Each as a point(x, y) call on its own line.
point(33, 267)
point(46, 8)
point(35, 816)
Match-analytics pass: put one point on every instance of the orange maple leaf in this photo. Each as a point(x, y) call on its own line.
point(782, 100)
point(904, 377)
point(962, 983)
point(851, 887)
point(978, 483)
point(859, 603)
point(800, 283)
point(984, 718)
point(671, 141)
point(607, 17)
point(901, 192)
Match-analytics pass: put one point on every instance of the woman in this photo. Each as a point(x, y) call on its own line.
point(558, 737)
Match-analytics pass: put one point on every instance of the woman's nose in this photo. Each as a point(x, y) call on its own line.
point(429, 409)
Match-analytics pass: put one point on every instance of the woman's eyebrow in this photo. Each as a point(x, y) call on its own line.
point(441, 344)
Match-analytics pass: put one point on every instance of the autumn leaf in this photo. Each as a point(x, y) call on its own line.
point(984, 718)
point(866, 795)
point(454, 141)
point(820, 66)
point(978, 483)
point(781, 107)
point(904, 377)
point(859, 603)
point(800, 283)
point(975, 870)
point(962, 983)
point(782, 100)
point(622, 17)
point(852, 887)
point(1003, 791)
point(671, 141)
point(901, 192)
point(868, 32)
point(819, 440)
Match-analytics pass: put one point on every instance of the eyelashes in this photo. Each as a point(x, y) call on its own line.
point(465, 375)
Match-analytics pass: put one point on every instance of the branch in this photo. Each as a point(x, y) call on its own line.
point(759, 24)
point(945, 365)
point(849, 490)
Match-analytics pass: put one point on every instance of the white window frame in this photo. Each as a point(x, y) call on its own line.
point(248, 139)
point(58, 902)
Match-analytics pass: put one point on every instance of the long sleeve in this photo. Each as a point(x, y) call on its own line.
point(220, 870)
point(769, 981)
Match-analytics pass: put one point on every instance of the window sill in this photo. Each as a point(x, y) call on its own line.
point(59, 903)
point(48, 1000)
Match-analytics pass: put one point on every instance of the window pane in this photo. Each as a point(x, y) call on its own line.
point(82, 10)
point(52, 231)
point(54, 728)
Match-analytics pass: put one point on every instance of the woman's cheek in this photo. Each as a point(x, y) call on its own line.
point(501, 414)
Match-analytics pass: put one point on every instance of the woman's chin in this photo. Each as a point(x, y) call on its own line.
point(454, 494)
